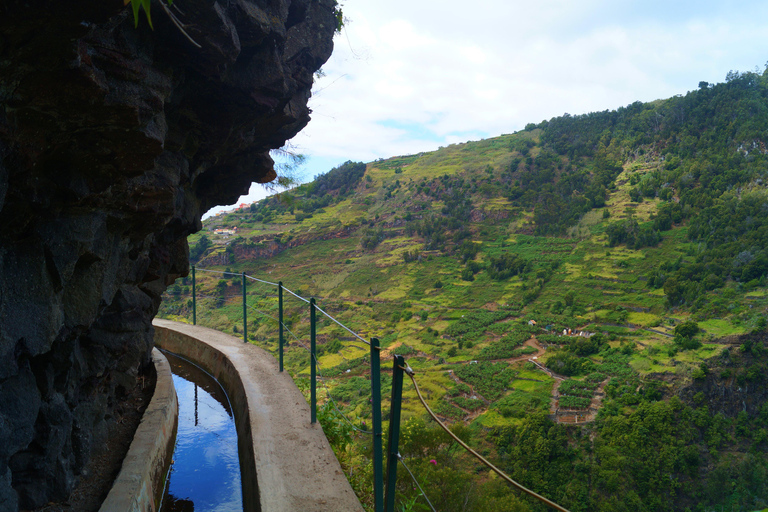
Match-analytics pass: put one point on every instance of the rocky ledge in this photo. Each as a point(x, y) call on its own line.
point(113, 141)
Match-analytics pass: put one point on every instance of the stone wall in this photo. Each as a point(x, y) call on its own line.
point(113, 141)
point(286, 461)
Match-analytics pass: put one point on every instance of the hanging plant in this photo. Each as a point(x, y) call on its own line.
point(141, 4)
point(144, 4)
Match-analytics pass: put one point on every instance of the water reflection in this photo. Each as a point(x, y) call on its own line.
point(205, 475)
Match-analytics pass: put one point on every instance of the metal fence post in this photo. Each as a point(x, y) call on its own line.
point(245, 314)
point(378, 473)
point(280, 319)
point(313, 361)
point(194, 298)
point(393, 453)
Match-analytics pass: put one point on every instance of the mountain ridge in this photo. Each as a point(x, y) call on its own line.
point(640, 226)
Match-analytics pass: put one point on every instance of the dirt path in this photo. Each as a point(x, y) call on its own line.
point(559, 415)
point(572, 415)
point(533, 343)
point(577, 415)
point(554, 399)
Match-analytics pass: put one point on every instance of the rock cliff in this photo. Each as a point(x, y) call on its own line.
point(113, 141)
point(734, 380)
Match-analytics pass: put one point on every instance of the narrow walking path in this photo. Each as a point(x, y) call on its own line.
point(295, 467)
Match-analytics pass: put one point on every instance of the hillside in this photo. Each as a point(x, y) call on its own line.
point(626, 250)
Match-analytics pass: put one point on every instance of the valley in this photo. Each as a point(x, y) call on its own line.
point(583, 301)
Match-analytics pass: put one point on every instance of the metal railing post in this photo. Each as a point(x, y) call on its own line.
point(393, 453)
point(194, 298)
point(245, 314)
point(378, 473)
point(313, 361)
point(280, 319)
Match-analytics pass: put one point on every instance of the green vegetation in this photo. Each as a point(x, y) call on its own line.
point(578, 388)
point(144, 5)
point(490, 379)
point(472, 324)
point(506, 347)
point(623, 250)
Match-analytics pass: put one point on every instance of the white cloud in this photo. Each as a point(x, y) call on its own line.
point(399, 35)
point(412, 76)
point(473, 54)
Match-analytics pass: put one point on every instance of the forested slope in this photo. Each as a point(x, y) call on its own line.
point(625, 249)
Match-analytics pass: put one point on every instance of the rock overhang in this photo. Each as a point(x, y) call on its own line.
point(113, 142)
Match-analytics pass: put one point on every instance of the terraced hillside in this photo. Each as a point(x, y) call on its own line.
point(585, 301)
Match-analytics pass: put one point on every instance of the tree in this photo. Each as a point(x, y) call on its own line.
point(684, 335)
point(674, 291)
point(687, 329)
point(760, 325)
point(197, 251)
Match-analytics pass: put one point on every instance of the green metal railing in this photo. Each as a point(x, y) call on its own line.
point(393, 453)
point(313, 358)
point(378, 474)
point(383, 489)
point(280, 321)
point(375, 361)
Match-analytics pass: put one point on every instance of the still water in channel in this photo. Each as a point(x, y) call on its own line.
point(205, 473)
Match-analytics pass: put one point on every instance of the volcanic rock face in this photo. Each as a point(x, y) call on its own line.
point(113, 141)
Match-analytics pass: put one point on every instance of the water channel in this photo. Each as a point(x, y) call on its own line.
point(205, 472)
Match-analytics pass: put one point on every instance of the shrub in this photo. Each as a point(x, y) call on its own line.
point(468, 403)
point(404, 350)
point(566, 364)
point(489, 379)
point(583, 389)
point(519, 404)
point(474, 323)
point(447, 409)
point(458, 389)
point(505, 266)
point(573, 402)
point(687, 329)
point(505, 347)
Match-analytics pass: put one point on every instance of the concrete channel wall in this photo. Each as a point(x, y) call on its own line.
point(295, 468)
point(139, 485)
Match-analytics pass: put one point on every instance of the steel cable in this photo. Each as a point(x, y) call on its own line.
point(297, 296)
point(328, 391)
point(322, 378)
point(216, 271)
point(260, 281)
point(400, 458)
point(499, 472)
point(350, 331)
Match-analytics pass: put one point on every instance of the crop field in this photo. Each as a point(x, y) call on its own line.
point(434, 256)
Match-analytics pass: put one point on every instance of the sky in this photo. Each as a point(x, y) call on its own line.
point(412, 76)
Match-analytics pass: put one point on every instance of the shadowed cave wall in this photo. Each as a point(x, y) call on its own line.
point(113, 142)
